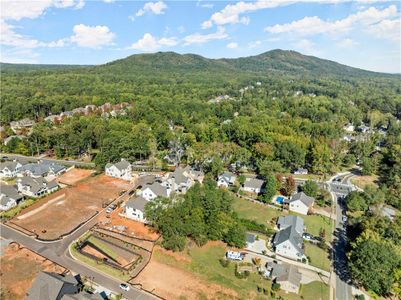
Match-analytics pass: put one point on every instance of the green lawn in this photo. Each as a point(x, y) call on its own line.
point(318, 257)
point(100, 266)
point(205, 264)
point(264, 214)
point(103, 246)
point(253, 211)
point(16, 210)
point(313, 223)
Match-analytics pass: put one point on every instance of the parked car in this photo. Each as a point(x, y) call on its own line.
point(345, 219)
point(109, 210)
point(307, 236)
point(124, 287)
point(122, 192)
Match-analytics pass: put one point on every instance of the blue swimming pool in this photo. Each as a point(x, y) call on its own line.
point(280, 199)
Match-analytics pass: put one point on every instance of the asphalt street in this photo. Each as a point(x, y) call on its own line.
point(57, 251)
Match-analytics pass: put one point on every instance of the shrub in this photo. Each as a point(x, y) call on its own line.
point(224, 262)
point(275, 286)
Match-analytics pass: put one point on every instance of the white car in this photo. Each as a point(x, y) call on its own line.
point(124, 287)
point(345, 219)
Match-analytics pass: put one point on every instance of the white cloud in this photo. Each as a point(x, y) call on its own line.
point(306, 47)
point(10, 38)
point(254, 44)
point(149, 43)
point(109, 1)
point(232, 45)
point(198, 38)
point(17, 10)
point(366, 19)
point(92, 36)
point(346, 43)
point(156, 8)
point(58, 44)
point(231, 14)
point(387, 29)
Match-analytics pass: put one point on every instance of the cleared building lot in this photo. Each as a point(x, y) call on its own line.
point(63, 211)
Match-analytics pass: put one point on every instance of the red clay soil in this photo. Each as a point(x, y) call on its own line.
point(173, 283)
point(134, 228)
point(62, 211)
point(90, 250)
point(74, 175)
point(19, 267)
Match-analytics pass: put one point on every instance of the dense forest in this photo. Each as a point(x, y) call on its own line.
point(284, 111)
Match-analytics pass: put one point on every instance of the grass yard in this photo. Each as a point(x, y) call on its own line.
point(204, 262)
point(257, 212)
point(318, 257)
point(313, 224)
point(102, 246)
point(363, 181)
point(101, 267)
point(264, 214)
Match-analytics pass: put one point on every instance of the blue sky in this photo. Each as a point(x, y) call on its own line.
point(360, 33)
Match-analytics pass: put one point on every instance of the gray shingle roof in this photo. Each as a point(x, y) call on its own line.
point(11, 165)
point(253, 183)
point(137, 203)
point(285, 272)
point(158, 189)
point(308, 201)
point(286, 221)
point(10, 191)
point(289, 234)
point(121, 165)
point(36, 184)
point(48, 286)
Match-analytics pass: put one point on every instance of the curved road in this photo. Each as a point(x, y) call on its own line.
point(57, 251)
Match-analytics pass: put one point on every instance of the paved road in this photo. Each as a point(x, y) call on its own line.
point(57, 251)
point(61, 161)
point(342, 287)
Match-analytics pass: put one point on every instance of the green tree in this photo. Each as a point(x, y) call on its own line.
point(310, 188)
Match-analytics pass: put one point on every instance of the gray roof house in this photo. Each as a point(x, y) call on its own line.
point(35, 187)
point(42, 169)
point(10, 168)
point(300, 203)
point(135, 209)
point(154, 190)
point(286, 221)
point(226, 179)
point(289, 243)
point(10, 191)
point(137, 203)
point(121, 169)
point(52, 286)
point(286, 275)
point(253, 185)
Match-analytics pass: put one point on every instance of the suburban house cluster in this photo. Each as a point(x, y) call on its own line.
point(32, 179)
point(177, 182)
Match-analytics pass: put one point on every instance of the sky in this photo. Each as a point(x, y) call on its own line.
point(358, 33)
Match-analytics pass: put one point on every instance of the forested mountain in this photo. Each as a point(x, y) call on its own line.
point(45, 89)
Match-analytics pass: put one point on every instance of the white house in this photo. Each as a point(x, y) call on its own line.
point(9, 197)
point(301, 171)
point(289, 243)
point(300, 203)
point(182, 179)
point(135, 209)
point(42, 169)
point(155, 190)
point(226, 179)
point(9, 169)
point(35, 187)
point(253, 185)
point(122, 170)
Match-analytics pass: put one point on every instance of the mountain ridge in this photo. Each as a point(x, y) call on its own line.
point(287, 62)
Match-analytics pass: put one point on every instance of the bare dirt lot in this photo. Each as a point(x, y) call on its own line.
point(63, 211)
point(73, 176)
point(133, 228)
point(171, 282)
point(19, 267)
